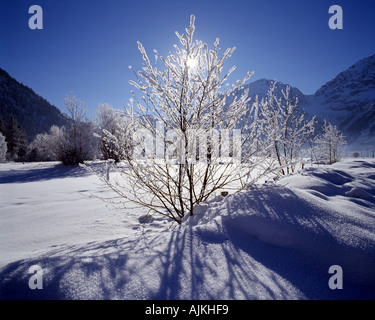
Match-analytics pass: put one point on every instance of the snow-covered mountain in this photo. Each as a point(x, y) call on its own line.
point(260, 88)
point(348, 101)
point(34, 113)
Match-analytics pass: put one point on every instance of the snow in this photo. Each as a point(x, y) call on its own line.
point(271, 241)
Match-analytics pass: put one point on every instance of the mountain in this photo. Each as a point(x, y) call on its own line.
point(35, 114)
point(260, 88)
point(348, 101)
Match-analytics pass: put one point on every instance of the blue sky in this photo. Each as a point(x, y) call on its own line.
point(86, 46)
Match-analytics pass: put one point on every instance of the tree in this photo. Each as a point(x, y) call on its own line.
point(50, 146)
point(329, 145)
point(115, 138)
point(286, 126)
point(190, 141)
point(16, 139)
point(77, 144)
point(3, 148)
point(2, 127)
point(356, 154)
point(72, 145)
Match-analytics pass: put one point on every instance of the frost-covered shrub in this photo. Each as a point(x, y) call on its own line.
point(46, 146)
point(330, 145)
point(115, 133)
point(285, 125)
point(185, 98)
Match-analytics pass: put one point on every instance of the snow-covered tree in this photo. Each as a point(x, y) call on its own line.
point(285, 125)
point(330, 144)
point(115, 137)
point(49, 146)
point(78, 143)
point(188, 148)
point(72, 145)
point(3, 148)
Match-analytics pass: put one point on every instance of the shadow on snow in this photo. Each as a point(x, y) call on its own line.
point(57, 171)
point(225, 259)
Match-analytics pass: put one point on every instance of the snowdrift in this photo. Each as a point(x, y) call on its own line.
point(271, 241)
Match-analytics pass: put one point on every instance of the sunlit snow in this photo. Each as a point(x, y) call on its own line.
point(270, 241)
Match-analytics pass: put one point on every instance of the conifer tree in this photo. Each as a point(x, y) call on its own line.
point(3, 148)
point(16, 140)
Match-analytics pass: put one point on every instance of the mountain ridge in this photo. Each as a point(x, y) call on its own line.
point(347, 100)
point(34, 113)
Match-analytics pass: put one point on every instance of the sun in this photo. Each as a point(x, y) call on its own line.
point(191, 62)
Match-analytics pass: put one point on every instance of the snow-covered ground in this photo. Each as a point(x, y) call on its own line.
point(271, 241)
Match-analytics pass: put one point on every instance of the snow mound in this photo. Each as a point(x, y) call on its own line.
point(312, 213)
point(359, 193)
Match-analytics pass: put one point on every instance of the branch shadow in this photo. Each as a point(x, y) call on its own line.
point(184, 267)
point(224, 259)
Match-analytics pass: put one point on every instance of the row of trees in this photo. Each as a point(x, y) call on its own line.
point(109, 135)
point(104, 137)
point(84, 139)
point(293, 137)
